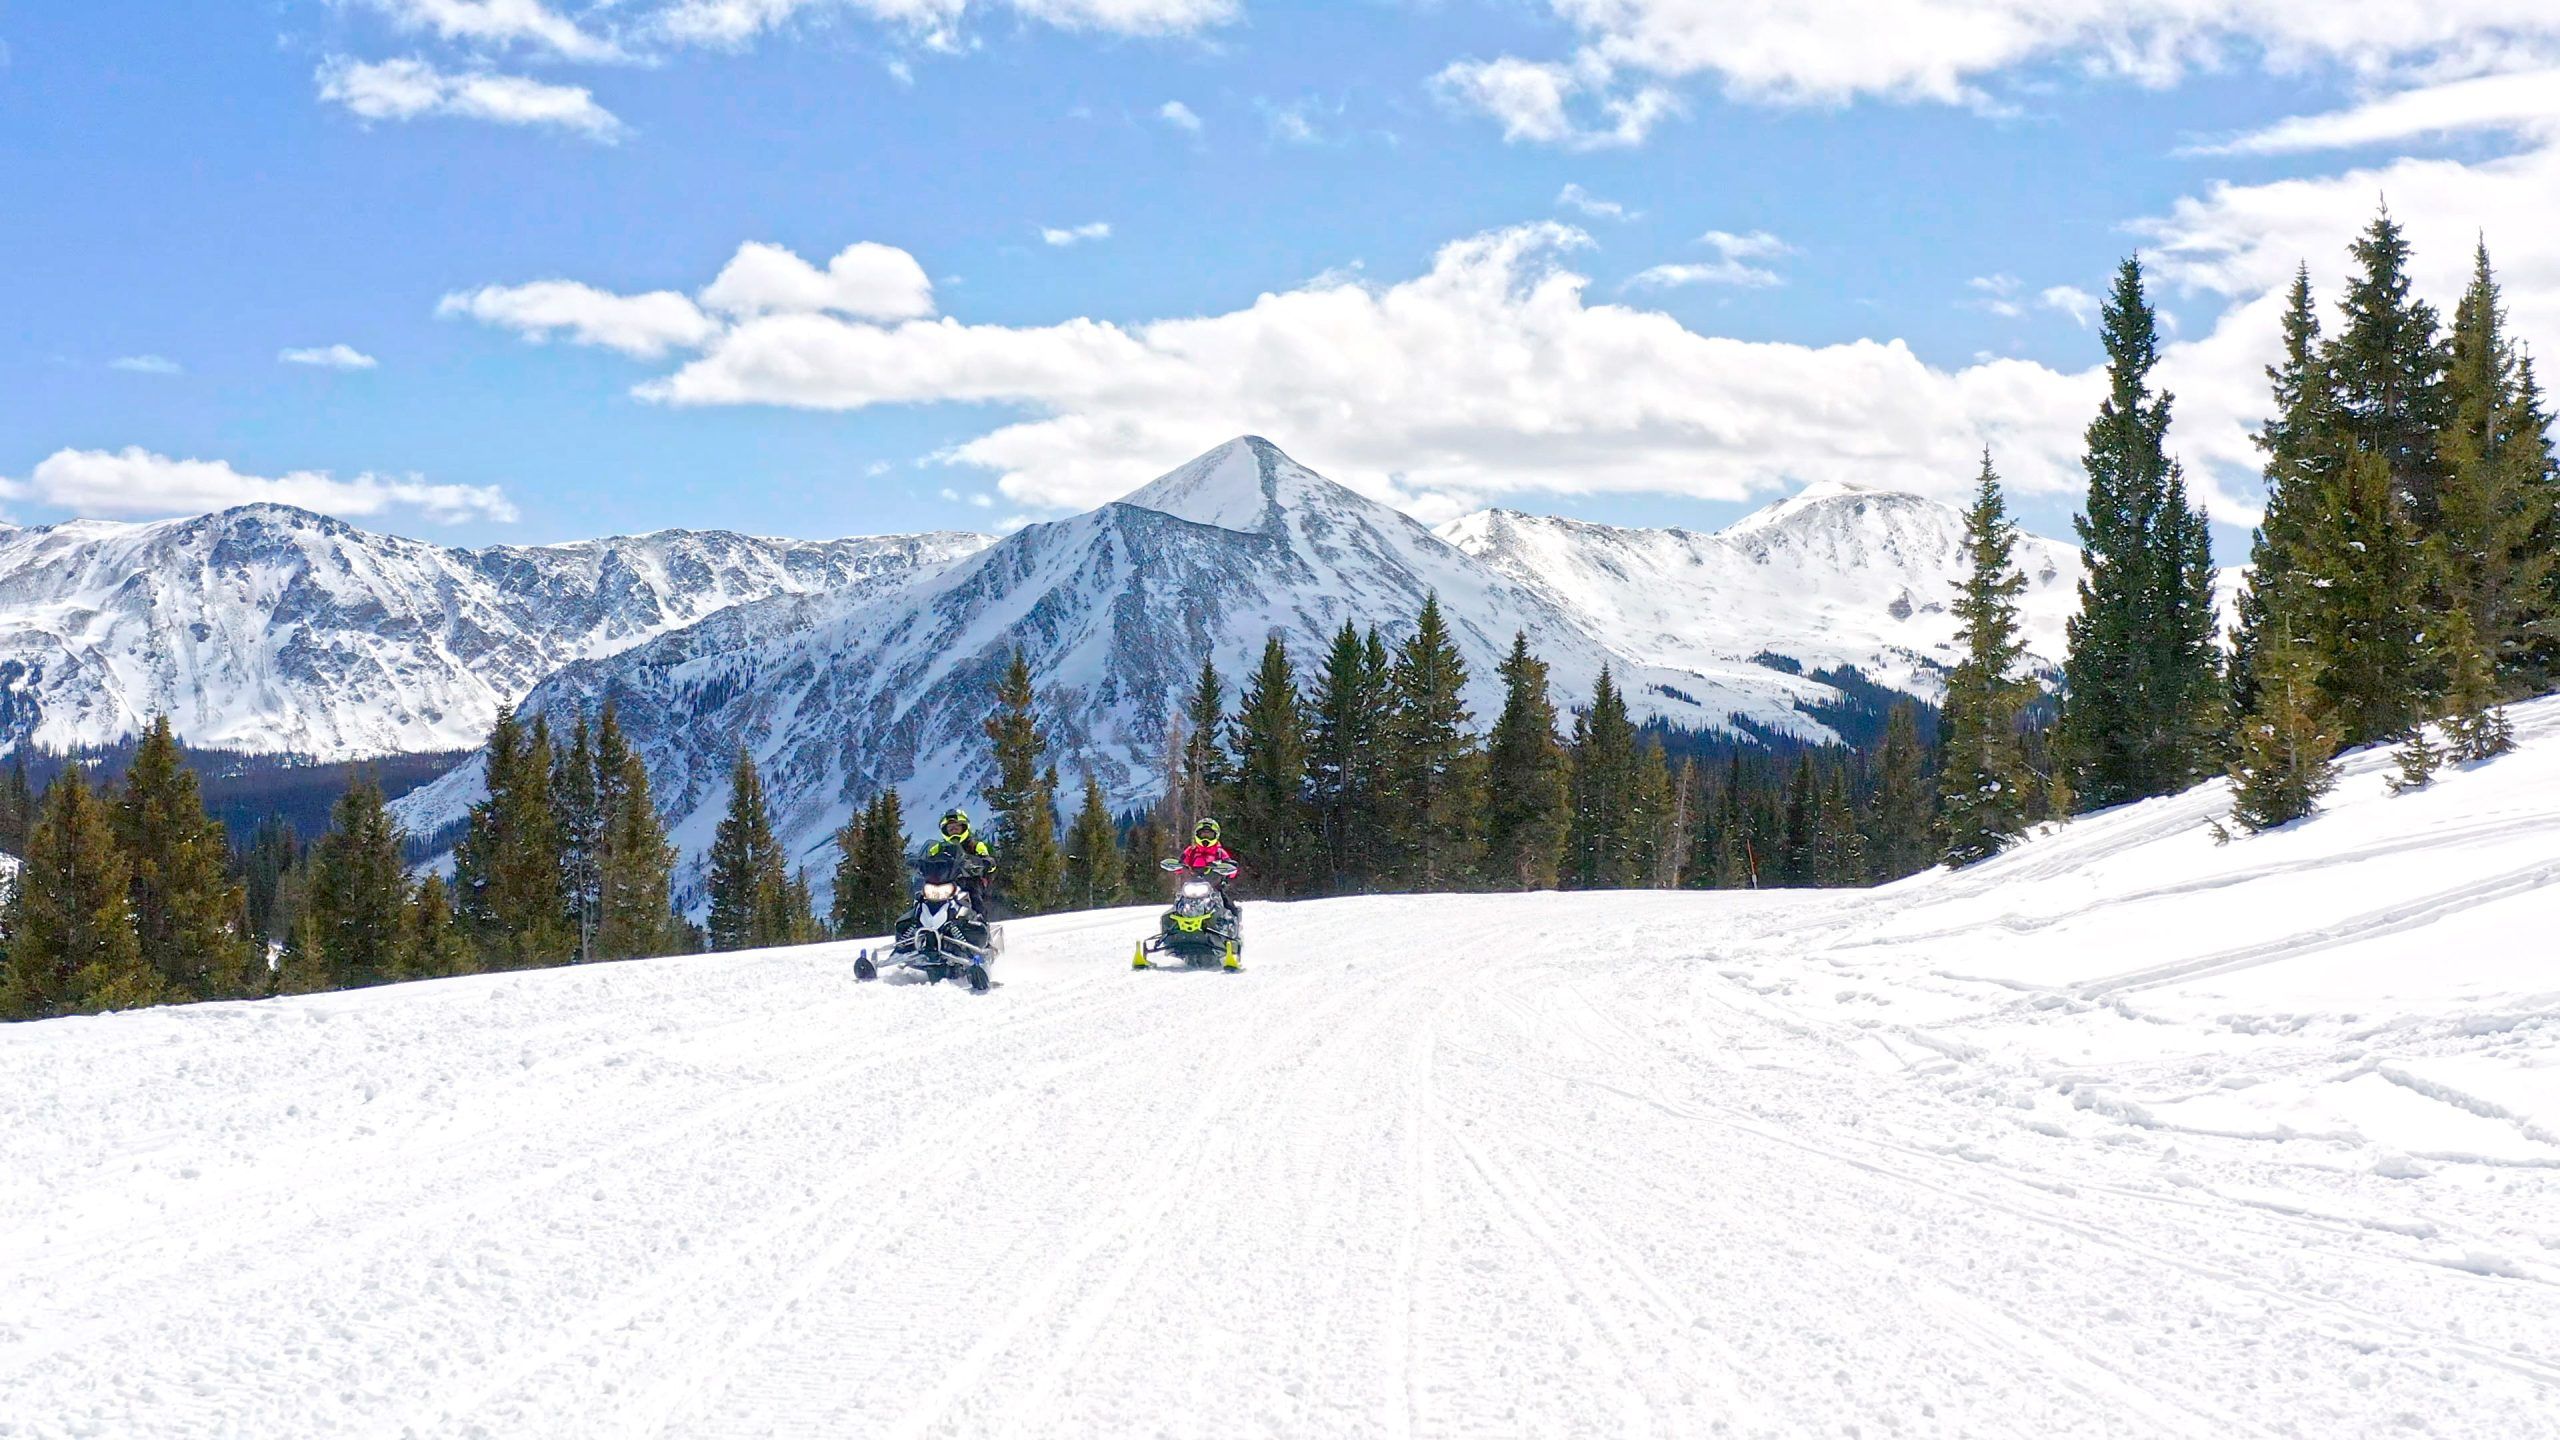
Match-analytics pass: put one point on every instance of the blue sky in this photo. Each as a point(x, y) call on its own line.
point(1843, 245)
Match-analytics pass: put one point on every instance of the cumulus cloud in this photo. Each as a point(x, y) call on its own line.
point(1076, 235)
point(134, 481)
point(329, 357)
point(409, 89)
point(872, 281)
point(1535, 102)
point(646, 326)
point(933, 22)
point(146, 365)
point(1180, 116)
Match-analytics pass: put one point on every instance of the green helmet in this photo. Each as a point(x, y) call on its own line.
point(1206, 832)
point(952, 818)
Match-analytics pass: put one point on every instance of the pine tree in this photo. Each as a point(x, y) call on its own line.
point(356, 929)
point(2476, 727)
point(273, 852)
point(2364, 603)
point(1983, 789)
point(2496, 514)
point(2143, 701)
point(1528, 790)
point(800, 922)
point(1432, 767)
point(2417, 759)
point(1093, 853)
point(846, 911)
point(1655, 821)
point(1024, 796)
point(2302, 455)
point(191, 918)
point(17, 806)
point(2389, 360)
point(750, 888)
point(70, 938)
point(577, 799)
point(1794, 864)
point(1840, 850)
point(437, 945)
point(1601, 849)
point(1905, 809)
point(1268, 814)
point(1346, 730)
point(509, 882)
point(635, 909)
point(884, 864)
point(2283, 761)
point(1208, 772)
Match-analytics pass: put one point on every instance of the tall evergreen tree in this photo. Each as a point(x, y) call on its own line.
point(750, 885)
point(2363, 606)
point(69, 933)
point(1602, 848)
point(1984, 793)
point(437, 945)
point(2476, 725)
point(2142, 704)
point(274, 851)
point(2495, 518)
point(1528, 791)
point(2389, 360)
point(578, 800)
point(17, 805)
point(1432, 766)
point(2283, 759)
point(191, 917)
point(1023, 796)
point(1796, 861)
point(2302, 450)
point(1093, 852)
point(1840, 849)
point(1208, 771)
point(1905, 814)
point(1346, 737)
point(508, 878)
point(884, 863)
point(1269, 814)
point(355, 927)
point(635, 871)
point(1655, 817)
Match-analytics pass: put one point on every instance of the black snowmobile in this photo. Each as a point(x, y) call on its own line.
point(1202, 929)
point(946, 936)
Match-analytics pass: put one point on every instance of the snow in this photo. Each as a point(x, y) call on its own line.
point(2126, 1133)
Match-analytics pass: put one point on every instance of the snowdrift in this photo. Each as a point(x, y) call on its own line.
point(2124, 1134)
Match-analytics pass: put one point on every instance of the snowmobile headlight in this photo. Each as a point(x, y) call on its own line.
point(937, 892)
point(1196, 890)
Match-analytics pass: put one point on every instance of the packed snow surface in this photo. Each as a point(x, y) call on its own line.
point(2124, 1134)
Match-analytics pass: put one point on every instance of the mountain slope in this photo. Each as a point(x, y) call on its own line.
point(1839, 575)
point(271, 629)
point(2125, 1135)
point(840, 696)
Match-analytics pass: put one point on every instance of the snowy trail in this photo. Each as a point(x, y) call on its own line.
point(1940, 1160)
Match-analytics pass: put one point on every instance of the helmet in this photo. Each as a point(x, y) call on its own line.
point(955, 823)
point(1206, 832)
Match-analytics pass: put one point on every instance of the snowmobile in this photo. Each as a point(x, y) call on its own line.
point(1201, 929)
point(944, 937)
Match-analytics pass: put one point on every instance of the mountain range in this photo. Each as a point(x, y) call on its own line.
point(839, 694)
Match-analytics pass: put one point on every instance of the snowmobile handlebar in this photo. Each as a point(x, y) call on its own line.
point(1224, 869)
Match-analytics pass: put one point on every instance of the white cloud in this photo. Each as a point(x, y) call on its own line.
point(2071, 300)
point(1291, 123)
point(1574, 197)
point(134, 481)
point(2526, 102)
point(1180, 116)
point(408, 89)
point(1835, 51)
point(1534, 102)
point(1097, 230)
point(485, 23)
point(329, 357)
point(934, 23)
point(1999, 294)
point(643, 325)
point(872, 281)
point(1732, 265)
point(146, 365)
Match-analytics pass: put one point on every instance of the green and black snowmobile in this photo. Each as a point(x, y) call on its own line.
point(1202, 929)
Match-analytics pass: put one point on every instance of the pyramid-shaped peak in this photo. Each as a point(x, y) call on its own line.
point(1243, 484)
point(1828, 496)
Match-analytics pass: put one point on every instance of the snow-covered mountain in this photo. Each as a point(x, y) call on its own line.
point(1839, 575)
point(840, 695)
point(271, 629)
